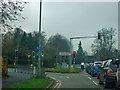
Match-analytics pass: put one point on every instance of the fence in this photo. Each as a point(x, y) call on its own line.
point(23, 66)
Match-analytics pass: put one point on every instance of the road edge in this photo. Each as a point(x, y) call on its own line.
point(62, 72)
point(51, 84)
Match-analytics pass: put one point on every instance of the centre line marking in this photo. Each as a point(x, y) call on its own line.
point(67, 77)
point(89, 78)
point(95, 83)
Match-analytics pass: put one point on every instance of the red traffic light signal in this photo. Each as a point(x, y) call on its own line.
point(73, 52)
point(99, 35)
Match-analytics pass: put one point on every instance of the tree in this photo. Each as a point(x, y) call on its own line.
point(103, 49)
point(49, 60)
point(60, 42)
point(9, 12)
point(24, 39)
point(27, 43)
point(80, 57)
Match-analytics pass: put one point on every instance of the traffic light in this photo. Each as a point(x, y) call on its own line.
point(42, 53)
point(16, 53)
point(74, 54)
point(55, 57)
point(66, 57)
point(99, 35)
point(33, 54)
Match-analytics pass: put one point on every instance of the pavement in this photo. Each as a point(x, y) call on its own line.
point(14, 77)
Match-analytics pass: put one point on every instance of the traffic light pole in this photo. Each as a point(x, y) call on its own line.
point(39, 63)
point(71, 53)
point(71, 45)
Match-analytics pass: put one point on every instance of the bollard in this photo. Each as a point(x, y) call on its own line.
point(71, 68)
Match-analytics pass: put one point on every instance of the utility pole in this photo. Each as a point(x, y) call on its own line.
point(39, 62)
point(18, 45)
point(17, 50)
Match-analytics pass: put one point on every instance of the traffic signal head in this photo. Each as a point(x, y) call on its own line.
point(74, 54)
point(16, 53)
point(33, 53)
point(66, 57)
point(99, 35)
point(55, 57)
point(42, 54)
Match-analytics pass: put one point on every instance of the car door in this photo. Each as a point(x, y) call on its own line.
point(103, 70)
point(100, 70)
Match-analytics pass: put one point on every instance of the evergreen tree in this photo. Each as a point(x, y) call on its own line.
point(80, 55)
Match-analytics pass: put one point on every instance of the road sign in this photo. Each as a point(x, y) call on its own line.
point(28, 55)
point(39, 48)
point(64, 53)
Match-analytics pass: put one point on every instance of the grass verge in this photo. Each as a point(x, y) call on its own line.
point(33, 83)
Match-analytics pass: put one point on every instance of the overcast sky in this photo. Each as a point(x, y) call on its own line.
point(72, 19)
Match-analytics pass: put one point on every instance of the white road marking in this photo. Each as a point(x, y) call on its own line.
point(101, 88)
point(67, 77)
point(95, 83)
point(89, 78)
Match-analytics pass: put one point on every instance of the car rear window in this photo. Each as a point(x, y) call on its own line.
point(98, 64)
point(113, 67)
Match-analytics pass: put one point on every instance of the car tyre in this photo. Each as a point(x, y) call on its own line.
point(116, 86)
point(100, 82)
point(105, 83)
point(97, 76)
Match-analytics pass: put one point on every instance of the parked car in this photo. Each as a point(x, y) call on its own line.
point(100, 67)
point(89, 67)
point(107, 74)
point(118, 75)
point(94, 68)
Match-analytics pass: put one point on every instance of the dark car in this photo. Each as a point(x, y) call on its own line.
point(94, 69)
point(118, 75)
point(107, 75)
point(100, 67)
point(89, 67)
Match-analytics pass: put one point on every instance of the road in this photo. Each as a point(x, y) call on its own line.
point(76, 80)
point(63, 80)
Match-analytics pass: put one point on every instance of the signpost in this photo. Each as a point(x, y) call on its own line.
point(28, 55)
point(64, 53)
point(39, 48)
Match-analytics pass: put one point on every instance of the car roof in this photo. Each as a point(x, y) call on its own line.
point(97, 61)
